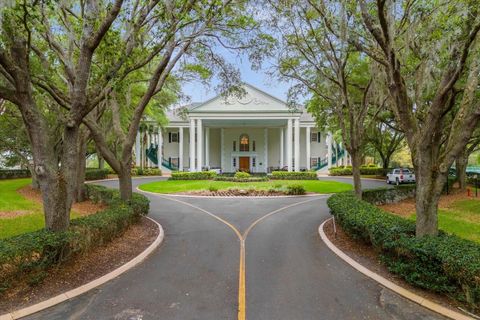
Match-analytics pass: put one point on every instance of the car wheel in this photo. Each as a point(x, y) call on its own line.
point(397, 182)
point(388, 181)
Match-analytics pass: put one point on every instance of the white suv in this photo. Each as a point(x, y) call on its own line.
point(400, 175)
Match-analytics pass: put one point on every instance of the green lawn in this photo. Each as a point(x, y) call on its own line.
point(11, 200)
point(461, 218)
point(174, 186)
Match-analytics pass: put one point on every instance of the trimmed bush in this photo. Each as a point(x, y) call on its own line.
point(32, 254)
point(285, 175)
point(14, 174)
point(445, 264)
point(202, 175)
point(295, 190)
point(242, 175)
point(365, 170)
point(146, 172)
point(233, 179)
point(381, 196)
point(96, 174)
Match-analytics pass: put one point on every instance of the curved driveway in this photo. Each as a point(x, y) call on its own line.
point(289, 273)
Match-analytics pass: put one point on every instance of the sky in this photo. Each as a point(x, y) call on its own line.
point(260, 79)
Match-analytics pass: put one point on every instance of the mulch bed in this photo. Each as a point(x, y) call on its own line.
point(83, 269)
point(369, 258)
point(406, 208)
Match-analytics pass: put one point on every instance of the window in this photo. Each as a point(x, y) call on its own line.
point(313, 161)
point(234, 162)
point(244, 143)
point(313, 137)
point(253, 145)
point(173, 137)
point(254, 160)
point(234, 145)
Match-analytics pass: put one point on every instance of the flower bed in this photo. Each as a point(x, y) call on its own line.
point(32, 254)
point(445, 264)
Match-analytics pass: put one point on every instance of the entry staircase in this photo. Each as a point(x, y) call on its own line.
point(324, 161)
point(152, 154)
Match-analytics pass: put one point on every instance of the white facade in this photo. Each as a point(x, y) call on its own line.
point(255, 133)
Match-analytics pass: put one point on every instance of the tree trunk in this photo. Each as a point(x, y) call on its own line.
point(429, 188)
point(125, 181)
point(461, 167)
point(356, 163)
point(81, 169)
point(101, 161)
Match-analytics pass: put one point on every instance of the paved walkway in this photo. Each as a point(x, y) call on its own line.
point(197, 273)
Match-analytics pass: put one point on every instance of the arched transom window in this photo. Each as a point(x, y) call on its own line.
point(244, 143)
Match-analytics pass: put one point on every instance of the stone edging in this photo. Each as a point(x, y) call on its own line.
point(90, 285)
point(390, 285)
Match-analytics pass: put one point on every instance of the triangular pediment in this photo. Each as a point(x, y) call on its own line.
point(254, 100)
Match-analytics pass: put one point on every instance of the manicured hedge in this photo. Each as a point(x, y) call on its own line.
point(31, 254)
point(234, 179)
point(14, 174)
point(285, 175)
point(382, 195)
point(446, 264)
point(366, 170)
point(96, 174)
point(202, 175)
point(146, 172)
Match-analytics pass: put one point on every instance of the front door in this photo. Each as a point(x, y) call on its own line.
point(244, 164)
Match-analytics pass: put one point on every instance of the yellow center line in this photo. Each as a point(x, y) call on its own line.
point(242, 300)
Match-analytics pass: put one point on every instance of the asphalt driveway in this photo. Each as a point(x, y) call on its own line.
point(289, 273)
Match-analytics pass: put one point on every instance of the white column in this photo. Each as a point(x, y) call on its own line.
point(207, 147)
point(329, 149)
point(180, 149)
point(160, 148)
point(289, 144)
point(138, 151)
point(199, 145)
point(297, 145)
point(282, 152)
point(265, 137)
point(192, 145)
point(222, 161)
point(307, 143)
point(149, 141)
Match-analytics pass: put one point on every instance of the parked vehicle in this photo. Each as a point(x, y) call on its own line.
point(400, 175)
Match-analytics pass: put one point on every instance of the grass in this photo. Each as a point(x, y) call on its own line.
point(11, 200)
point(174, 186)
point(461, 218)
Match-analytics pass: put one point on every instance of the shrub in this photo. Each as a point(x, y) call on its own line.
point(295, 189)
point(242, 175)
point(365, 170)
point(212, 189)
point(285, 175)
point(250, 179)
point(446, 264)
point(202, 175)
point(33, 253)
point(14, 174)
point(96, 174)
point(146, 172)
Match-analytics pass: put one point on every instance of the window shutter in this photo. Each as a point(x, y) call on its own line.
point(319, 137)
point(169, 137)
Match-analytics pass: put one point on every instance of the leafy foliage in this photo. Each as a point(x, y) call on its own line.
point(32, 254)
point(202, 175)
point(285, 175)
point(446, 264)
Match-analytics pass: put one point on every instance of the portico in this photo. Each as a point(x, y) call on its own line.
point(255, 133)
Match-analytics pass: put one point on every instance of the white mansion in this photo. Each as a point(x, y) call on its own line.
point(256, 133)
